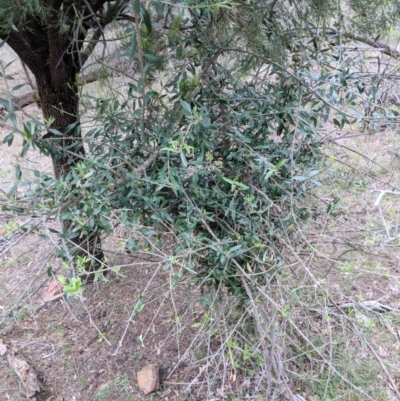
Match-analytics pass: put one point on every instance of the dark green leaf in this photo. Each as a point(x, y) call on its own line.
point(186, 106)
point(6, 104)
point(15, 88)
point(18, 172)
point(152, 57)
point(11, 192)
point(8, 139)
point(146, 18)
point(16, 209)
point(132, 49)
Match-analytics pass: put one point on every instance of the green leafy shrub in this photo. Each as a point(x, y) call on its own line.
point(224, 162)
point(228, 173)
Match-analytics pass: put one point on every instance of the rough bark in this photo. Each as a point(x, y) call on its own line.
point(60, 104)
point(47, 48)
point(51, 45)
point(26, 99)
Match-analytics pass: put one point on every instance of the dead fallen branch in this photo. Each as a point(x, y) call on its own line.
point(25, 373)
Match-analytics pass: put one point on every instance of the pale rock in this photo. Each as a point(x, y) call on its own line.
point(149, 379)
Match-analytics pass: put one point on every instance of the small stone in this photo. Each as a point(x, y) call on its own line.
point(148, 379)
point(3, 348)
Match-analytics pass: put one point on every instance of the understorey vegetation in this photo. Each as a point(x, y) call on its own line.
point(220, 144)
point(216, 138)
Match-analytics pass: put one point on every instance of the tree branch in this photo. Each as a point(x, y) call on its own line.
point(377, 44)
point(26, 99)
point(108, 17)
point(16, 41)
point(88, 50)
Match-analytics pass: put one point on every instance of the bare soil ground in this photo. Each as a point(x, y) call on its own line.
point(91, 348)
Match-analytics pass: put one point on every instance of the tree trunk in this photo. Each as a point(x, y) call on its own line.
point(50, 43)
point(60, 104)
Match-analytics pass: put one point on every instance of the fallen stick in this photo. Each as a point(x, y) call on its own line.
point(26, 374)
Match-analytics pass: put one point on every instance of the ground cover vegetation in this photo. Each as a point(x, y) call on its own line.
point(218, 140)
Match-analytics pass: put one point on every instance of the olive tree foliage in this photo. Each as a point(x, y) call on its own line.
point(218, 136)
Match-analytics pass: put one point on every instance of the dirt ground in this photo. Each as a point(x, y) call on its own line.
point(92, 348)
